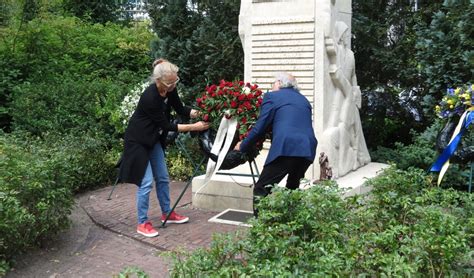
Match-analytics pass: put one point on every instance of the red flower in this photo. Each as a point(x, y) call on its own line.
point(211, 89)
point(227, 99)
point(248, 105)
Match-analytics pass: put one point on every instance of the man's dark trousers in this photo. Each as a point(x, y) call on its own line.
point(275, 171)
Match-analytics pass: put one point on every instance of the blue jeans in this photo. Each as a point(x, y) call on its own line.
point(156, 170)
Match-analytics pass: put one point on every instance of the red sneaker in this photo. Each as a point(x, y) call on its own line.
point(147, 229)
point(174, 218)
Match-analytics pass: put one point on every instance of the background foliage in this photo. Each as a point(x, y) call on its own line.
point(202, 39)
point(66, 73)
point(406, 58)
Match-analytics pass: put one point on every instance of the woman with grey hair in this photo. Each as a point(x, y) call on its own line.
point(143, 158)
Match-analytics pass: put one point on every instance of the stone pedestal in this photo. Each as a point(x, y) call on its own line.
point(223, 192)
point(228, 188)
point(235, 192)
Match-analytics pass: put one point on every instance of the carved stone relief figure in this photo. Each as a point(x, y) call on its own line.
point(344, 129)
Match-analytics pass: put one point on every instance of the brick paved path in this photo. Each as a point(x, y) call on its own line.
point(86, 250)
point(119, 215)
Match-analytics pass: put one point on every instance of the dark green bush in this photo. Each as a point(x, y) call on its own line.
point(422, 154)
point(66, 105)
point(202, 39)
point(65, 71)
point(35, 198)
point(403, 228)
point(37, 183)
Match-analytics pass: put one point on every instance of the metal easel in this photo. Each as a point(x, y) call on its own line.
point(182, 148)
point(196, 169)
point(253, 175)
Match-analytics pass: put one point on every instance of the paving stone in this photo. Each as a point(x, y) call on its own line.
point(91, 251)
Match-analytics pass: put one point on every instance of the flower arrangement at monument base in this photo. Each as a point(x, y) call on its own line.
point(233, 100)
point(455, 102)
point(458, 107)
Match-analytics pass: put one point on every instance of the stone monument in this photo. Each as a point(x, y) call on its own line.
point(311, 40)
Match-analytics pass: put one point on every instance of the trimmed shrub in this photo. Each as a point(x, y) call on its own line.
point(66, 105)
point(404, 227)
point(34, 199)
point(37, 183)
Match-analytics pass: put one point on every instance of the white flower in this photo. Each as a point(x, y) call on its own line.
point(246, 90)
point(130, 102)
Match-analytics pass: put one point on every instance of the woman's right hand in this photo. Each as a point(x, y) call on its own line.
point(200, 126)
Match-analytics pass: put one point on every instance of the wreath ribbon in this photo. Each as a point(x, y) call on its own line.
point(442, 163)
point(225, 135)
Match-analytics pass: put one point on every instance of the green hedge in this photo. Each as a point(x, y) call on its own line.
point(404, 228)
point(67, 105)
point(37, 183)
point(60, 72)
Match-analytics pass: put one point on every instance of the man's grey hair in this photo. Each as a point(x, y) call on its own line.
point(287, 80)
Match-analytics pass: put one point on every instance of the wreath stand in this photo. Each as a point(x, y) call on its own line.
point(253, 175)
point(182, 148)
point(196, 166)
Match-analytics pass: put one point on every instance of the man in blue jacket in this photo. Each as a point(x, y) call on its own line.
point(287, 113)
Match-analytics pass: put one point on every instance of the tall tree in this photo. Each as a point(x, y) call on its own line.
point(385, 38)
point(98, 11)
point(201, 38)
point(445, 49)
